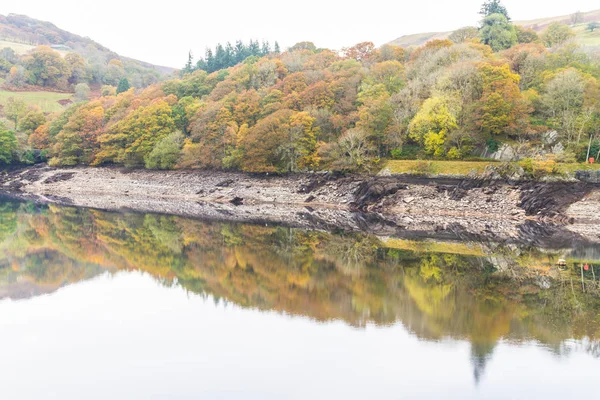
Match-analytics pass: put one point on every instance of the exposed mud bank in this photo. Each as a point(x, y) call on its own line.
point(403, 206)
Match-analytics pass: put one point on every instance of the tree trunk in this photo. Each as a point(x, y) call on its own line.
point(587, 159)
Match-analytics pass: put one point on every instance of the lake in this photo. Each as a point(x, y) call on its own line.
point(101, 305)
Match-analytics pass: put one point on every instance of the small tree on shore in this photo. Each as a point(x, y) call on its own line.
point(8, 145)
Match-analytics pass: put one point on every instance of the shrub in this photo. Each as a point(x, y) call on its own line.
point(165, 153)
point(407, 152)
point(454, 154)
point(492, 145)
point(537, 169)
point(566, 157)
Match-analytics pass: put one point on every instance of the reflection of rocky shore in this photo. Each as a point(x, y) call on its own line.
point(481, 292)
point(541, 214)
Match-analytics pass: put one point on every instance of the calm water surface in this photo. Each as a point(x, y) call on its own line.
point(102, 305)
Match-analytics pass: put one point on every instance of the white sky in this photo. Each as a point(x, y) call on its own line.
point(163, 32)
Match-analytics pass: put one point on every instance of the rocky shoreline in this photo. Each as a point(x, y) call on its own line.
point(399, 206)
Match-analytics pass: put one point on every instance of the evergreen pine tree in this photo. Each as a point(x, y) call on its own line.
point(493, 7)
point(266, 48)
point(189, 66)
point(210, 61)
point(123, 85)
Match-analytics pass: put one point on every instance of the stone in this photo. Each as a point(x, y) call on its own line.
point(408, 200)
point(558, 148)
point(549, 138)
point(237, 201)
point(505, 153)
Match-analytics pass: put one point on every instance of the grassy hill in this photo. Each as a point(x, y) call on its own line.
point(23, 33)
point(584, 37)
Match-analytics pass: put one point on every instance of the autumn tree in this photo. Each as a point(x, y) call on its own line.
point(502, 108)
point(529, 60)
point(463, 34)
point(14, 109)
point(360, 51)
point(115, 71)
point(310, 46)
point(353, 151)
point(46, 67)
point(526, 35)
point(40, 138)
point(285, 141)
point(215, 131)
point(17, 76)
point(77, 142)
point(131, 139)
point(563, 101)
point(78, 67)
point(165, 153)
point(82, 92)
point(32, 120)
point(556, 34)
point(389, 52)
point(432, 124)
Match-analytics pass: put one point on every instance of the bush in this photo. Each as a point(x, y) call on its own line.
point(492, 145)
point(28, 157)
point(8, 145)
point(566, 157)
point(165, 153)
point(408, 152)
point(537, 169)
point(454, 154)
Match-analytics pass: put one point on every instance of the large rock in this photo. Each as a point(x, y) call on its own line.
point(505, 153)
point(588, 176)
point(374, 190)
point(550, 138)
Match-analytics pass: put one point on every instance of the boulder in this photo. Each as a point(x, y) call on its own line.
point(505, 153)
point(588, 176)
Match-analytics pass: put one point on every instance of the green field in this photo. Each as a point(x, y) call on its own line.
point(436, 167)
point(47, 101)
point(21, 48)
point(585, 37)
point(463, 168)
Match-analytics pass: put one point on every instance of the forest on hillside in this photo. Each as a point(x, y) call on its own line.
point(308, 109)
point(35, 53)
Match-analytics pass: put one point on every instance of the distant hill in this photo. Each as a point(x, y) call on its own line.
point(22, 33)
point(584, 37)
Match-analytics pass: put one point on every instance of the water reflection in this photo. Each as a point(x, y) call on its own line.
point(483, 293)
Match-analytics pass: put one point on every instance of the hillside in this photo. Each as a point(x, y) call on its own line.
point(583, 38)
point(22, 34)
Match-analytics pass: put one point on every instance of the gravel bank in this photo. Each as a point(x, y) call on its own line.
point(399, 206)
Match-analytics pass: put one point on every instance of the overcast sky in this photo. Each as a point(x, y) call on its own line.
point(163, 32)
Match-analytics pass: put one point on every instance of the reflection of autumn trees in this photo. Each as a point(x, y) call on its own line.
point(350, 277)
